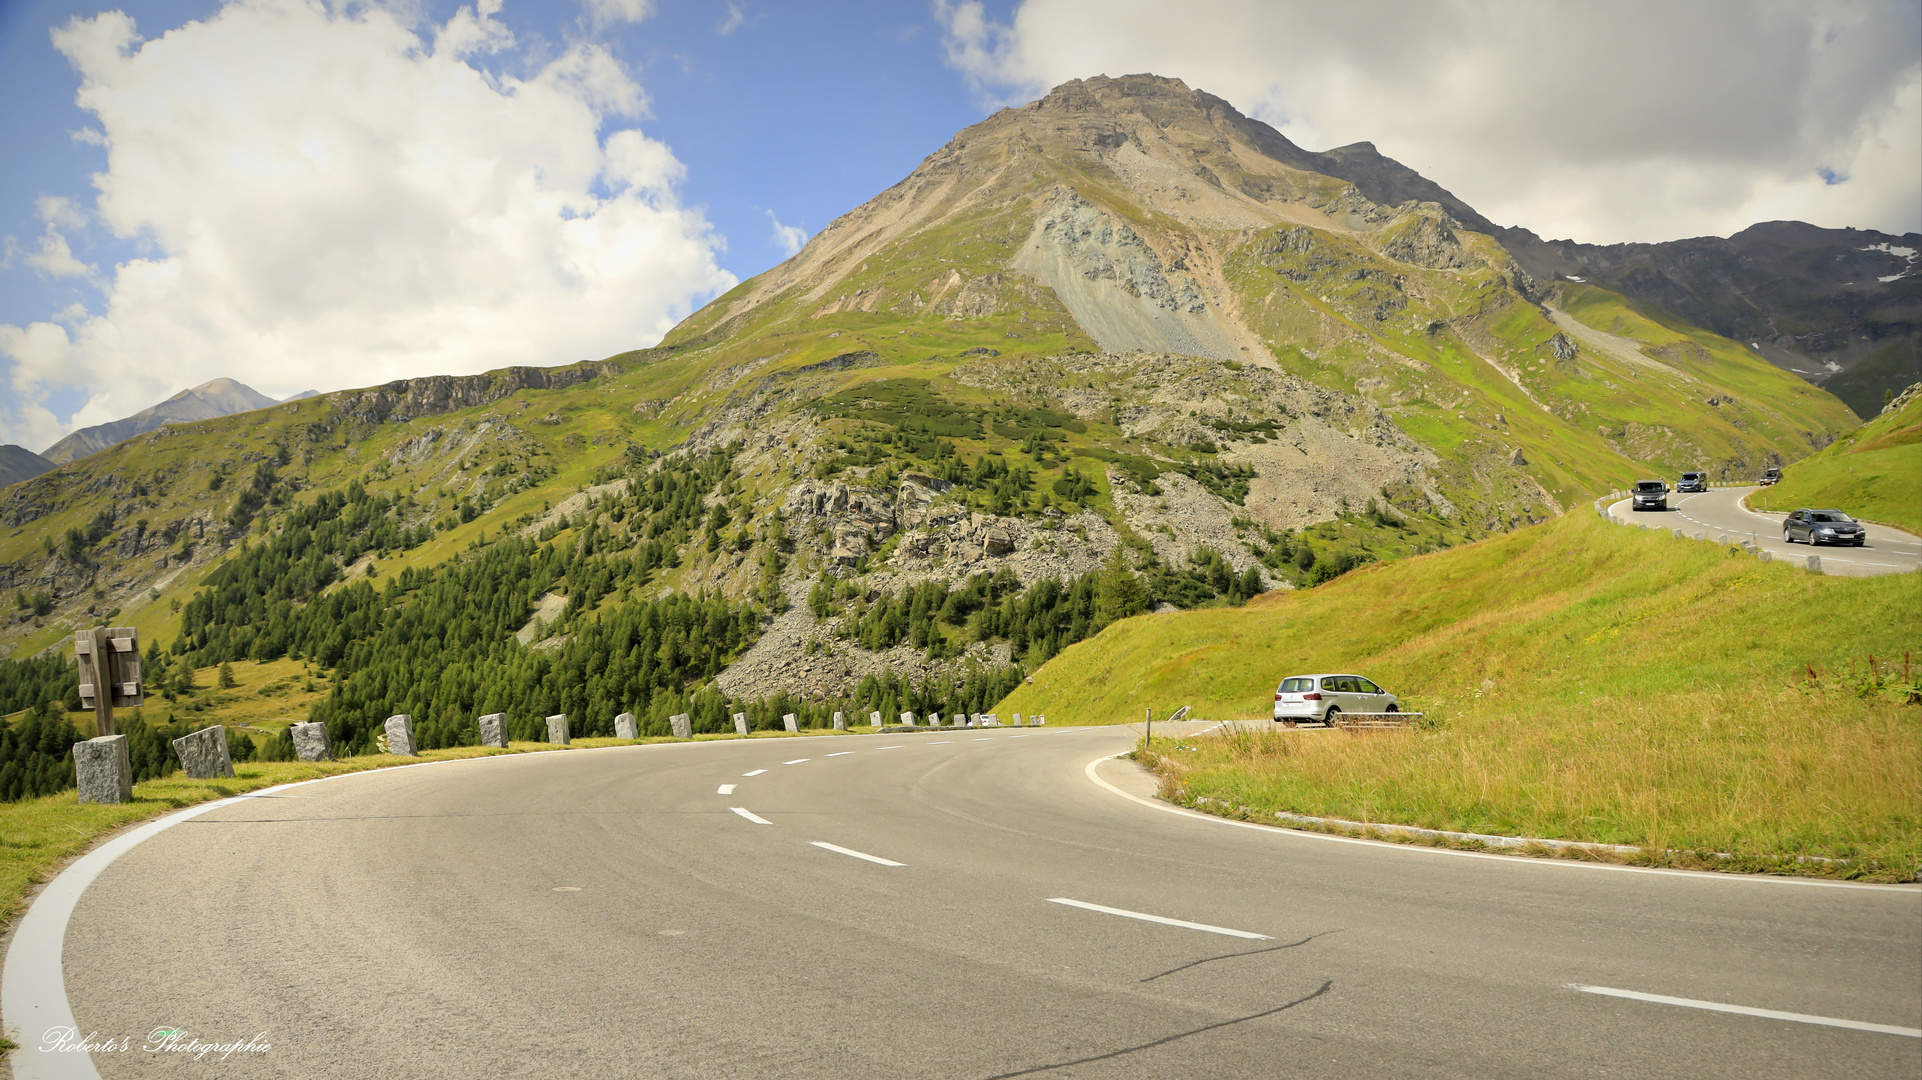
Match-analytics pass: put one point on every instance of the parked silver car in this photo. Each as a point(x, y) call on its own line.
point(1323, 698)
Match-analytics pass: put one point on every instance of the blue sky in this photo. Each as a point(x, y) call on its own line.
point(312, 194)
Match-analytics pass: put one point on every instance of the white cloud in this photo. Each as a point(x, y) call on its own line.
point(736, 18)
point(788, 238)
point(329, 200)
point(609, 12)
point(1601, 122)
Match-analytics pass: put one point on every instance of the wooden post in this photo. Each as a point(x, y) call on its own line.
point(102, 686)
point(108, 663)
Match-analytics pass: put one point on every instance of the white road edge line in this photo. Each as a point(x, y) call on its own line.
point(1165, 921)
point(1744, 1010)
point(750, 815)
point(756, 772)
point(1515, 860)
point(856, 854)
point(725, 789)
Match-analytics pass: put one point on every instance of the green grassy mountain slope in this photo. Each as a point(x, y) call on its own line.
point(1120, 334)
point(1873, 472)
point(1582, 681)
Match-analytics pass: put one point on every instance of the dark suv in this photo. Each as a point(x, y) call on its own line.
point(1650, 495)
point(1692, 481)
point(1822, 527)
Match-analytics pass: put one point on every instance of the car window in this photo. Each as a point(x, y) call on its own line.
point(1295, 686)
point(1331, 683)
point(1367, 687)
point(1832, 516)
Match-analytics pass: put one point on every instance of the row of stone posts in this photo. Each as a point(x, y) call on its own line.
point(104, 774)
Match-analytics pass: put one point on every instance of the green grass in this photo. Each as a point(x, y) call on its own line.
point(1874, 473)
point(1588, 682)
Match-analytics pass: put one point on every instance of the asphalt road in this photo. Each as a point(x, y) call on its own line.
point(610, 913)
point(1719, 512)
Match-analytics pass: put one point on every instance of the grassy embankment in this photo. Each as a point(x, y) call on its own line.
point(1586, 682)
point(1873, 472)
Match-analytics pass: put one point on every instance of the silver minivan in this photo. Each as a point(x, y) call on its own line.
point(1323, 698)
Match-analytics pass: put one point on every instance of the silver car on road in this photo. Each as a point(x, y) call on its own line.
point(1323, 698)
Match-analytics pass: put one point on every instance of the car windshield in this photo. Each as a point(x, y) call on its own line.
point(1835, 516)
point(1691, 476)
point(1648, 485)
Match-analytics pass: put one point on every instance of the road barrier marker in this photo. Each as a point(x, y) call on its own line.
point(1126, 914)
point(750, 815)
point(1744, 1010)
point(856, 854)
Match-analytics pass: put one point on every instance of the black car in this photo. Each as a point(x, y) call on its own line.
point(1823, 527)
point(1771, 476)
point(1692, 481)
point(1650, 495)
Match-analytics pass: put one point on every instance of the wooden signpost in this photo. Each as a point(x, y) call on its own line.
point(109, 660)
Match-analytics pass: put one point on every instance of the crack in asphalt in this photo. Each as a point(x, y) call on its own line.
point(1250, 952)
point(1325, 987)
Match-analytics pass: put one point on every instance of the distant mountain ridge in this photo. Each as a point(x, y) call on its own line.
point(218, 397)
point(18, 463)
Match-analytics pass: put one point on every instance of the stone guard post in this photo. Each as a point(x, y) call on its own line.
point(102, 770)
point(907, 718)
point(874, 719)
point(740, 724)
point(493, 729)
point(790, 722)
point(840, 721)
point(682, 724)
point(203, 754)
point(400, 736)
point(311, 743)
point(626, 727)
point(557, 732)
point(934, 719)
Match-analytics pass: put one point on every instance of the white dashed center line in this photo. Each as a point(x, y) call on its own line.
point(796, 761)
point(1744, 1010)
point(985, 738)
point(726, 789)
point(756, 772)
point(942, 742)
point(841, 753)
point(856, 854)
point(750, 815)
point(1144, 917)
point(897, 746)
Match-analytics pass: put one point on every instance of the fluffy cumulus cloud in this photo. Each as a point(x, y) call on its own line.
point(329, 197)
point(1635, 121)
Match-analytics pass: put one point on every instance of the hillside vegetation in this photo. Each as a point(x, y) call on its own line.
point(1581, 681)
point(1873, 472)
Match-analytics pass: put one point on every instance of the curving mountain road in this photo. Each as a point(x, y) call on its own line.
point(963, 904)
point(1719, 512)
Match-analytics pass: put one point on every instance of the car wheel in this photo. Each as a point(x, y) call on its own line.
point(1333, 718)
point(1392, 708)
point(1787, 537)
